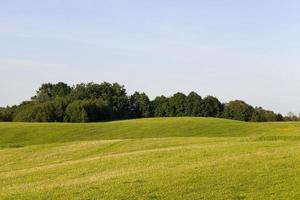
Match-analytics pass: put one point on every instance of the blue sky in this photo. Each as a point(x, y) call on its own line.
point(231, 49)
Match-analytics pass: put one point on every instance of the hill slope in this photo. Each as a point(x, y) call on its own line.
point(168, 158)
point(23, 134)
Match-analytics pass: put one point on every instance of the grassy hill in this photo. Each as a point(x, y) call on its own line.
point(161, 158)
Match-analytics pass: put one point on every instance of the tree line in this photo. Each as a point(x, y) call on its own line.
point(94, 102)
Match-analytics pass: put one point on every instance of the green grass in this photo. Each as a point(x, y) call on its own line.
point(167, 158)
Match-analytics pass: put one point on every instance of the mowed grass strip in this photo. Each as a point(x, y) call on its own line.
point(197, 165)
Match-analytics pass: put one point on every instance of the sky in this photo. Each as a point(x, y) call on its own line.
point(230, 49)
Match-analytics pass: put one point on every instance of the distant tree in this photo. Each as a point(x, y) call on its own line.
point(120, 102)
point(261, 115)
point(194, 105)
point(36, 112)
point(212, 107)
point(97, 110)
point(114, 94)
point(44, 112)
point(258, 115)
point(270, 116)
point(161, 107)
point(79, 92)
point(2, 114)
point(177, 105)
point(75, 112)
point(48, 111)
point(291, 117)
point(50, 91)
point(7, 114)
point(88, 111)
point(140, 105)
point(60, 106)
point(279, 117)
point(105, 101)
point(238, 110)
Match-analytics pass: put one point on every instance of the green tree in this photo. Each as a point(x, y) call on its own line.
point(279, 117)
point(258, 115)
point(194, 105)
point(161, 106)
point(140, 105)
point(60, 106)
point(261, 115)
point(212, 107)
point(50, 91)
point(75, 112)
point(178, 105)
point(270, 116)
point(7, 114)
point(35, 112)
point(105, 101)
point(238, 110)
point(88, 111)
point(114, 94)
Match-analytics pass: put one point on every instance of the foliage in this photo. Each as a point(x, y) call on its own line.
point(87, 111)
point(7, 114)
point(177, 105)
point(114, 94)
point(140, 105)
point(212, 107)
point(94, 102)
point(48, 111)
point(238, 110)
point(50, 91)
point(161, 106)
point(194, 105)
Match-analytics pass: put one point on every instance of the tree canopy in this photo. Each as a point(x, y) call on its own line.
point(92, 102)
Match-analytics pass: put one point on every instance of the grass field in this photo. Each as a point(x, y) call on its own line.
point(161, 158)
